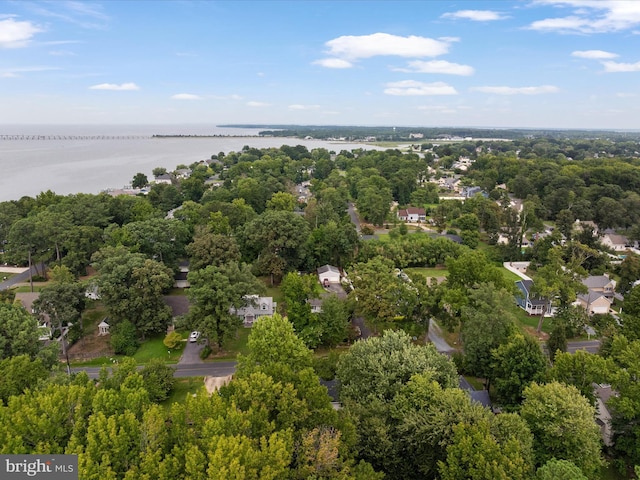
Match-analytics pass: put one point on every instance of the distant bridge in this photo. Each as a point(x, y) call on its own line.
point(73, 137)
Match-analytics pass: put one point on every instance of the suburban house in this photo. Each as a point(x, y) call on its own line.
point(615, 242)
point(316, 305)
point(526, 300)
point(579, 226)
point(328, 274)
point(412, 214)
point(26, 299)
point(164, 178)
point(254, 308)
point(599, 298)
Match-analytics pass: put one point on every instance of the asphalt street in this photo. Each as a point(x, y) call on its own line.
point(213, 369)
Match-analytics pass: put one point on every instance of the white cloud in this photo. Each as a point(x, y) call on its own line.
point(333, 63)
point(15, 72)
point(61, 53)
point(115, 86)
point(616, 67)
point(626, 95)
point(413, 88)
point(593, 54)
point(351, 47)
point(475, 15)
point(186, 96)
point(15, 34)
point(258, 104)
point(437, 108)
point(517, 90)
point(591, 16)
point(437, 66)
point(303, 107)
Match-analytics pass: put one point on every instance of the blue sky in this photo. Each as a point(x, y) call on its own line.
point(523, 63)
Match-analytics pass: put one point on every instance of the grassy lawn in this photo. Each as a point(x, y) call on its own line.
point(178, 291)
point(27, 288)
point(182, 388)
point(531, 321)
point(98, 362)
point(510, 276)
point(428, 272)
point(234, 347)
point(154, 348)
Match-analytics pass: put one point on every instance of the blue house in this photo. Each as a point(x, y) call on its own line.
point(525, 300)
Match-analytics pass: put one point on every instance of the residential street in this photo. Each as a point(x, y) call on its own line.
point(591, 346)
point(22, 277)
point(214, 369)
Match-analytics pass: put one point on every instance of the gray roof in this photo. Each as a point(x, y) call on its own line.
point(599, 281)
point(328, 268)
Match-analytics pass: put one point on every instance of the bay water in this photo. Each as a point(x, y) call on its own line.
point(70, 159)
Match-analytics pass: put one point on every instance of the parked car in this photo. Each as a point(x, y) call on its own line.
point(195, 335)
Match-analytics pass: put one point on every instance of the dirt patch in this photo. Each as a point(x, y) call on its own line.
point(213, 384)
point(91, 346)
point(542, 336)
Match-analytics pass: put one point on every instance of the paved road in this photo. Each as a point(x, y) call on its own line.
point(354, 216)
point(435, 335)
point(591, 346)
point(214, 369)
point(22, 277)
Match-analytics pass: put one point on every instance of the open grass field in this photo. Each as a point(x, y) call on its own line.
point(154, 348)
point(234, 347)
point(428, 272)
point(510, 276)
point(182, 388)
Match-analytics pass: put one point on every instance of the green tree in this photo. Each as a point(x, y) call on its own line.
point(132, 288)
point(18, 374)
point(476, 454)
point(559, 470)
point(556, 283)
point(629, 271)
point(18, 332)
point(282, 201)
point(487, 323)
point(376, 368)
point(63, 304)
point(158, 380)
point(334, 321)
point(423, 417)
point(562, 424)
point(173, 340)
point(214, 292)
point(516, 363)
point(276, 240)
point(582, 369)
point(124, 339)
point(139, 180)
point(212, 249)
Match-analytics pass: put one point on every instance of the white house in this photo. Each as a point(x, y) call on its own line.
point(164, 178)
point(412, 214)
point(615, 242)
point(316, 305)
point(328, 274)
point(254, 308)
